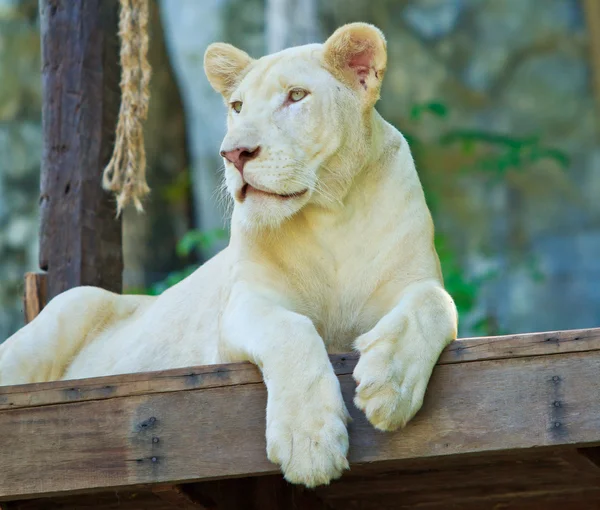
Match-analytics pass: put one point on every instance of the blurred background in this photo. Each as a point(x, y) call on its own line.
point(496, 97)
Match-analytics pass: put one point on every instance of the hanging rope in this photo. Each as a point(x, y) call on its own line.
point(125, 174)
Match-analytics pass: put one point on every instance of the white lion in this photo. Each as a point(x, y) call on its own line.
point(331, 248)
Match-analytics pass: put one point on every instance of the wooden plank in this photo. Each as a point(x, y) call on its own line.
point(525, 480)
point(522, 480)
point(425, 484)
point(573, 499)
point(522, 345)
point(80, 237)
point(471, 408)
point(457, 481)
point(98, 388)
point(113, 500)
point(35, 296)
point(460, 351)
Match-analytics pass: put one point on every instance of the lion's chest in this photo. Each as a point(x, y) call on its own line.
point(343, 317)
point(337, 285)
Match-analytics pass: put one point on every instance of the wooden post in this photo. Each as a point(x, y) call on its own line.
point(35, 296)
point(80, 241)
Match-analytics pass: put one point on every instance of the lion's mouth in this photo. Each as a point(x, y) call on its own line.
point(247, 188)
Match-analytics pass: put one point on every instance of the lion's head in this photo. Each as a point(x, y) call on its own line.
point(299, 121)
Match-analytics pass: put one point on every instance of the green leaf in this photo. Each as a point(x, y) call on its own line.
point(558, 156)
point(438, 109)
point(435, 108)
point(172, 279)
point(195, 239)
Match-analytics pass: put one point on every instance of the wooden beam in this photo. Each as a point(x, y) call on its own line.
point(274, 493)
point(35, 296)
point(178, 498)
point(521, 345)
point(80, 237)
point(527, 481)
point(483, 479)
point(574, 499)
point(592, 456)
point(232, 374)
point(592, 15)
point(142, 499)
point(258, 493)
point(208, 423)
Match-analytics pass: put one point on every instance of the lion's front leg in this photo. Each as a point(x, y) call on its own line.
point(306, 415)
point(398, 355)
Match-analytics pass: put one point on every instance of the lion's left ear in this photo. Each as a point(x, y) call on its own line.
point(356, 54)
point(225, 66)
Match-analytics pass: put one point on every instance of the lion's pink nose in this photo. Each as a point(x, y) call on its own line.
point(240, 156)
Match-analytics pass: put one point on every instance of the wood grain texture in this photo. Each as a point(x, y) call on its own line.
point(521, 345)
point(471, 408)
point(80, 240)
point(574, 499)
point(100, 388)
point(259, 493)
point(457, 481)
point(113, 500)
point(203, 377)
point(524, 482)
point(35, 295)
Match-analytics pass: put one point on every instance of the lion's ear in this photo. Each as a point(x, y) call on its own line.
point(356, 54)
point(225, 66)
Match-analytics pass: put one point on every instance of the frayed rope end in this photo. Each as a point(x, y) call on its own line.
point(125, 174)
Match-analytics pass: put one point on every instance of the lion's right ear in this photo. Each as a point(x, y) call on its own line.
point(225, 66)
point(356, 54)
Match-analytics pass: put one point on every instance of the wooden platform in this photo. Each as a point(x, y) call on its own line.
point(508, 423)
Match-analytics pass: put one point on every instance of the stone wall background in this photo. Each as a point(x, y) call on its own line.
point(524, 243)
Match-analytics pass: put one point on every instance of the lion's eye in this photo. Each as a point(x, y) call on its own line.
point(297, 95)
point(236, 106)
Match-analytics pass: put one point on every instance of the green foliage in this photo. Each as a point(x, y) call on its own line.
point(489, 154)
point(435, 108)
point(196, 239)
point(172, 278)
point(506, 153)
point(193, 240)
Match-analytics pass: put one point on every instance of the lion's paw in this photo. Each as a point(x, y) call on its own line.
point(308, 438)
point(391, 384)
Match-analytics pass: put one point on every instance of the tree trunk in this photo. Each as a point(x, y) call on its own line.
point(291, 23)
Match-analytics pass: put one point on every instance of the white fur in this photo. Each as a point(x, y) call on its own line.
point(349, 263)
